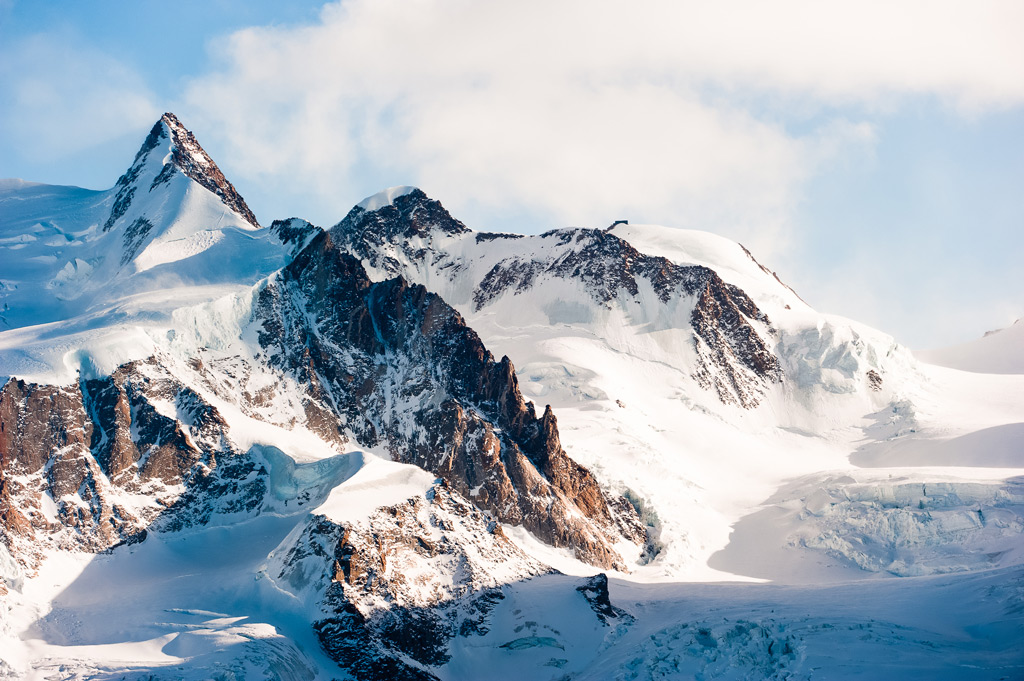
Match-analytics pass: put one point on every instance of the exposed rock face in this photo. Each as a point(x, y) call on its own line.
point(294, 233)
point(402, 370)
point(874, 380)
point(193, 161)
point(134, 236)
point(396, 588)
point(90, 466)
point(604, 262)
point(595, 590)
point(188, 158)
point(128, 183)
point(736, 363)
point(382, 237)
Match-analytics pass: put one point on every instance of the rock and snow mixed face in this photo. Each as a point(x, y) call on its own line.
point(386, 366)
point(646, 359)
point(317, 419)
point(99, 266)
point(169, 150)
point(401, 370)
point(679, 364)
point(394, 588)
point(695, 303)
point(582, 277)
point(100, 463)
point(187, 437)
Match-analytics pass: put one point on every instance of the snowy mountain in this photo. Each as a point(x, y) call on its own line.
point(229, 451)
point(578, 271)
point(700, 354)
point(172, 232)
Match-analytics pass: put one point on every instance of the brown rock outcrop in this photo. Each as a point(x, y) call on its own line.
point(403, 370)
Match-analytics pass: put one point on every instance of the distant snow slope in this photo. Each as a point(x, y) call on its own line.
point(997, 352)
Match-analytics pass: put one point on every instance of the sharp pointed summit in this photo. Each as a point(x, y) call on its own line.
point(189, 157)
point(181, 153)
point(172, 220)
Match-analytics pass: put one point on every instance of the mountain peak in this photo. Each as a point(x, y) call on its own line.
point(191, 159)
point(397, 212)
point(386, 197)
point(183, 154)
point(190, 154)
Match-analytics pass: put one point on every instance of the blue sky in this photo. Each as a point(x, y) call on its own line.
point(871, 153)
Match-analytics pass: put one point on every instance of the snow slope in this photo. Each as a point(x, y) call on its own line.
point(230, 621)
point(997, 352)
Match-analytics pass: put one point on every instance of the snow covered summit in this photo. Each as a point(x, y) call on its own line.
point(172, 231)
point(385, 198)
point(171, 148)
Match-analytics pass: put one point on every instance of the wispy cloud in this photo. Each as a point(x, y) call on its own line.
point(587, 111)
point(61, 97)
point(529, 115)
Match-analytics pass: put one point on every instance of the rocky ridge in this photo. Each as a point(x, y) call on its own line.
point(403, 371)
point(94, 465)
point(187, 157)
point(415, 237)
point(393, 590)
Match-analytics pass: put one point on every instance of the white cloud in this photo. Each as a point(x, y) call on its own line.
point(583, 112)
point(61, 97)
